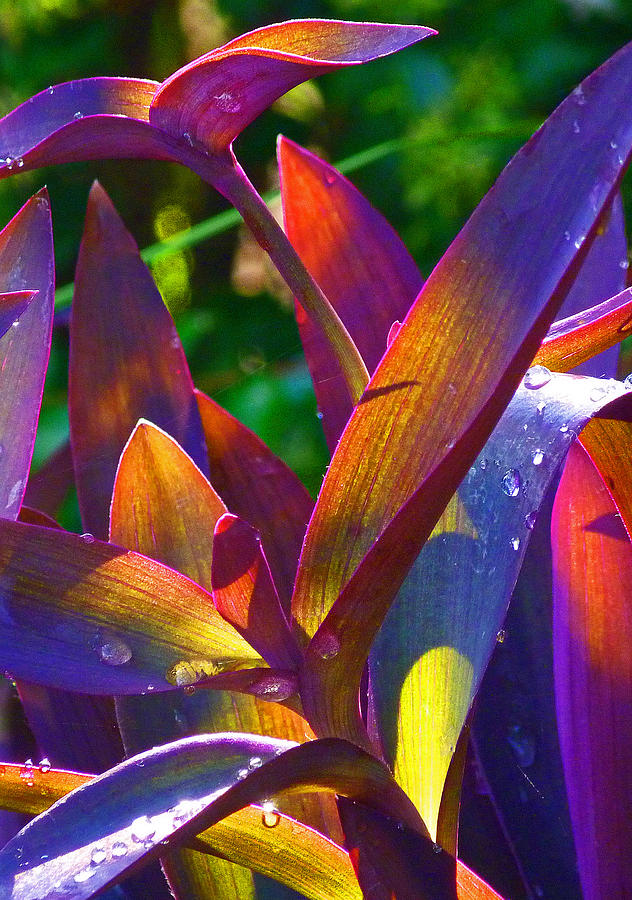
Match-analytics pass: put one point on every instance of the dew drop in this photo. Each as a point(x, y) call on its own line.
point(437, 848)
point(529, 520)
point(567, 235)
point(536, 377)
point(242, 773)
point(119, 848)
point(501, 635)
point(98, 856)
point(538, 457)
point(83, 875)
point(78, 115)
point(326, 644)
point(275, 688)
point(20, 162)
point(511, 482)
point(87, 538)
point(270, 818)
point(624, 264)
point(578, 94)
point(598, 393)
point(540, 409)
point(44, 765)
point(579, 240)
point(613, 145)
point(143, 830)
point(627, 382)
point(515, 543)
point(113, 651)
point(564, 428)
point(255, 762)
point(227, 102)
point(576, 128)
point(319, 415)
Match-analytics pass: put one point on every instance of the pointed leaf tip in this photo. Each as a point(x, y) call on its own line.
point(212, 99)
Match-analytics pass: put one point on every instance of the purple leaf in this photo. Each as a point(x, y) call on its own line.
point(26, 264)
point(126, 362)
point(212, 99)
point(357, 259)
point(12, 305)
point(169, 794)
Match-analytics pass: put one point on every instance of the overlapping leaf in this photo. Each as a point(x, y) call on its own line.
point(89, 616)
point(447, 615)
point(592, 630)
point(462, 348)
point(357, 259)
point(168, 794)
point(257, 486)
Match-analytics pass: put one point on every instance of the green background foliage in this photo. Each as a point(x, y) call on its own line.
point(458, 106)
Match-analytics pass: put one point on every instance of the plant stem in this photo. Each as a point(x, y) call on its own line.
point(234, 184)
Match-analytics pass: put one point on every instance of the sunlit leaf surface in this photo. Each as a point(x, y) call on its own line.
point(592, 634)
point(169, 794)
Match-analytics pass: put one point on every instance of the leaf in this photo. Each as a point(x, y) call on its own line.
point(592, 632)
point(245, 595)
point(170, 793)
point(26, 265)
point(258, 837)
point(89, 616)
point(113, 123)
point(162, 504)
point(572, 341)
point(126, 362)
point(257, 486)
point(462, 348)
point(356, 258)
point(211, 100)
point(446, 617)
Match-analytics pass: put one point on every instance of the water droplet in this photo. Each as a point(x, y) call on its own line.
point(45, 765)
point(20, 162)
point(187, 137)
point(227, 102)
point(143, 830)
point(330, 178)
point(529, 520)
point(78, 115)
point(270, 818)
point(578, 94)
point(567, 235)
point(511, 482)
point(112, 651)
point(87, 538)
point(119, 848)
point(437, 848)
point(564, 428)
point(598, 393)
point(538, 456)
point(326, 644)
point(515, 543)
point(540, 409)
point(319, 415)
point(624, 264)
point(576, 128)
point(579, 240)
point(275, 688)
point(242, 773)
point(83, 875)
point(536, 377)
point(613, 145)
point(98, 856)
point(483, 464)
point(501, 635)
point(255, 762)
point(51, 89)
point(627, 382)
point(27, 773)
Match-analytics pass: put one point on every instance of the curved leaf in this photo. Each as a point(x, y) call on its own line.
point(212, 99)
point(12, 305)
point(88, 616)
point(572, 341)
point(356, 258)
point(126, 361)
point(170, 793)
point(33, 789)
point(462, 348)
point(592, 634)
point(260, 488)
